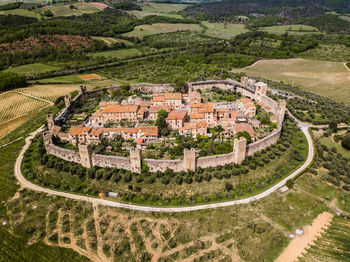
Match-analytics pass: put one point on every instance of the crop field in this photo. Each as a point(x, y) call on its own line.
point(48, 92)
point(69, 79)
point(333, 245)
point(224, 31)
point(141, 31)
point(291, 29)
point(167, 10)
point(110, 40)
point(329, 79)
point(14, 105)
point(32, 69)
point(121, 54)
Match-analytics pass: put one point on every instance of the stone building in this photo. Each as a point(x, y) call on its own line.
point(176, 119)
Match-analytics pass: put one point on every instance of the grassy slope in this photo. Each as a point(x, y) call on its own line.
point(145, 30)
point(31, 69)
point(64, 10)
point(328, 79)
point(167, 10)
point(281, 29)
point(14, 247)
point(121, 54)
point(220, 30)
point(329, 141)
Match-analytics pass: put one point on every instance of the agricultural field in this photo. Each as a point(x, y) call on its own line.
point(141, 31)
point(14, 109)
point(65, 10)
point(110, 40)
point(32, 69)
point(48, 92)
point(69, 79)
point(333, 245)
point(291, 29)
point(329, 79)
point(121, 54)
point(222, 30)
point(168, 10)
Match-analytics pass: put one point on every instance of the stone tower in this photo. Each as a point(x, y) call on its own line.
point(244, 80)
point(239, 150)
point(82, 91)
point(260, 91)
point(189, 159)
point(135, 160)
point(85, 155)
point(281, 110)
point(50, 121)
point(67, 100)
point(47, 141)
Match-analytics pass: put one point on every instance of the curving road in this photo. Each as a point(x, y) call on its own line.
point(304, 127)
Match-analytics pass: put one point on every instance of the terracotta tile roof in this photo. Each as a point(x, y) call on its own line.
point(244, 127)
point(146, 103)
point(195, 115)
point(235, 114)
point(173, 96)
point(155, 109)
point(78, 130)
point(177, 115)
point(197, 105)
point(142, 110)
point(63, 135)
point(149, 130)
point(121, 109)
point(107, 103)
point(273, 118)
point(245, 100)
point(158, 98)
point(190, 125)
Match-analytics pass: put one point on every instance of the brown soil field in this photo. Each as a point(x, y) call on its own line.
point(90, 77)
point(99, 5)
point(300, 243)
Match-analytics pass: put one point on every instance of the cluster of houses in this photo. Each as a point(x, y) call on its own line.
point(186, 113)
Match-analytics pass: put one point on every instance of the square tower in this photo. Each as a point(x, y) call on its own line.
point(135, 160)
point(189, 159)
point(85, 155)
point(239, 150)
point(260, 90)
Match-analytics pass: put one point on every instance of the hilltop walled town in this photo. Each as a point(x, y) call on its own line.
point(185, 113)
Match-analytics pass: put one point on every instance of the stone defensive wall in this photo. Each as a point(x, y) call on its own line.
point(264, 142)
point(152, 88)
point(161, 165)
point(65, 154)
point(212, 161)
point(111, 161)
point(190, 162)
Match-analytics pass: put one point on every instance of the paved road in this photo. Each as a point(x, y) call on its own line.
point(25, 183)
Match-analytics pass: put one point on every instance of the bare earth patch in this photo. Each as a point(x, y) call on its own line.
point(90, 77)
point(99, 5)
point(300, 243)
